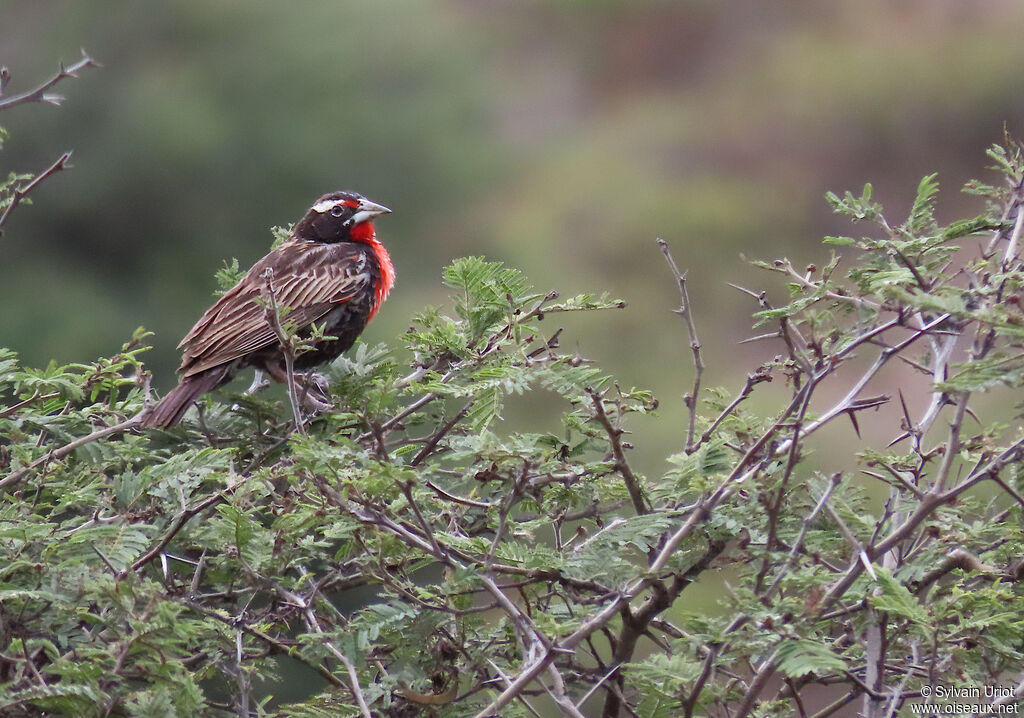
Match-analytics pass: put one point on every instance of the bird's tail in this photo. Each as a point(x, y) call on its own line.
point(168, 411)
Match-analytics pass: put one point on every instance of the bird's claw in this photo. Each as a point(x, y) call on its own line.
point(314, 394)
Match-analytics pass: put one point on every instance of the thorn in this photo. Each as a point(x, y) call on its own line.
point(749, 292)
point(853, 420)
point(906, 412)
point(898, 439)
point(867, 564)
point(105, 560)
point(771, 335)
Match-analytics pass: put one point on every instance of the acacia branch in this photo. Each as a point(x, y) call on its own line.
point(925, 507)
point(763, 374)
point(636, 623)
point(1011, 246)
point(602, 617)
point(278, 646)
point(844, 405)
point(765, 671)
point(61, 452)
point(39, 94)
point(178, 523)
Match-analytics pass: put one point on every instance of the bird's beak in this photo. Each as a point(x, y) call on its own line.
point(367, 210)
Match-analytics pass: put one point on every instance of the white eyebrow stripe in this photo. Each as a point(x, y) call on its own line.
point(326, 205)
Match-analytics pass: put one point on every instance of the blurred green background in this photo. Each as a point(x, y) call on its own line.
point(561, 137)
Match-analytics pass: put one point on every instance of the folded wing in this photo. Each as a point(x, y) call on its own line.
point(308, 280)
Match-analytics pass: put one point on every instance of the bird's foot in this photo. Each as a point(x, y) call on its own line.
point(313, 388)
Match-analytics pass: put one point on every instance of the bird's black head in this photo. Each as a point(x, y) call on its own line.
point(339, 217)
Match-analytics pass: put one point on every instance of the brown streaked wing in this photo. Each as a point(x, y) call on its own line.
point(309, 278)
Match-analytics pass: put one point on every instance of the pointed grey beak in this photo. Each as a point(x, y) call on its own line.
point(367, 210)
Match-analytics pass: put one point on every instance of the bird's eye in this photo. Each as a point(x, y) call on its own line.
point(337, 210)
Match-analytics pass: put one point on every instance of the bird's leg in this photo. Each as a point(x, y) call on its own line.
point(311, 387)
point(259, 383)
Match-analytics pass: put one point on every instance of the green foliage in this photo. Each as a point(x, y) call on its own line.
point(407, 550)
point(797, 658)
point(897, 599)
point(88, 534)
point(228, 276)
point(856, 208)
point(9, 185)
point(280, 235)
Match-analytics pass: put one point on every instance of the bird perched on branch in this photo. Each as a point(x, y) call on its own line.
point(331, 271)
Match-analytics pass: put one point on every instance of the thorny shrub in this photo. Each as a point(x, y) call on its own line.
point(405, 554)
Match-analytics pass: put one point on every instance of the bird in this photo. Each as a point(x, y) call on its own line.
point(331, 271)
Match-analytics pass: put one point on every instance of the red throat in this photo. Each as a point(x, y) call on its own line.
point(364, 232)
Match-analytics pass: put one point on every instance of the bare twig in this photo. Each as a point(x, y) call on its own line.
point(273, 316)
point(15, 408)
point(20, 193)
point(804, 528)
point(1011, 246)
point(621, 464)
point(241, 678)
point(955, 559)
point(692, 400)
point(436, 437)
point(277, 646)
point(858, 548)
point(40, 94)
point(764, 671)
point(924, 285)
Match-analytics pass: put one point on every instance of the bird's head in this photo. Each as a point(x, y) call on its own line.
point(339, 217)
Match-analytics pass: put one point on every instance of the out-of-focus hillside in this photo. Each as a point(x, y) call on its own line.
point(560, 137)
